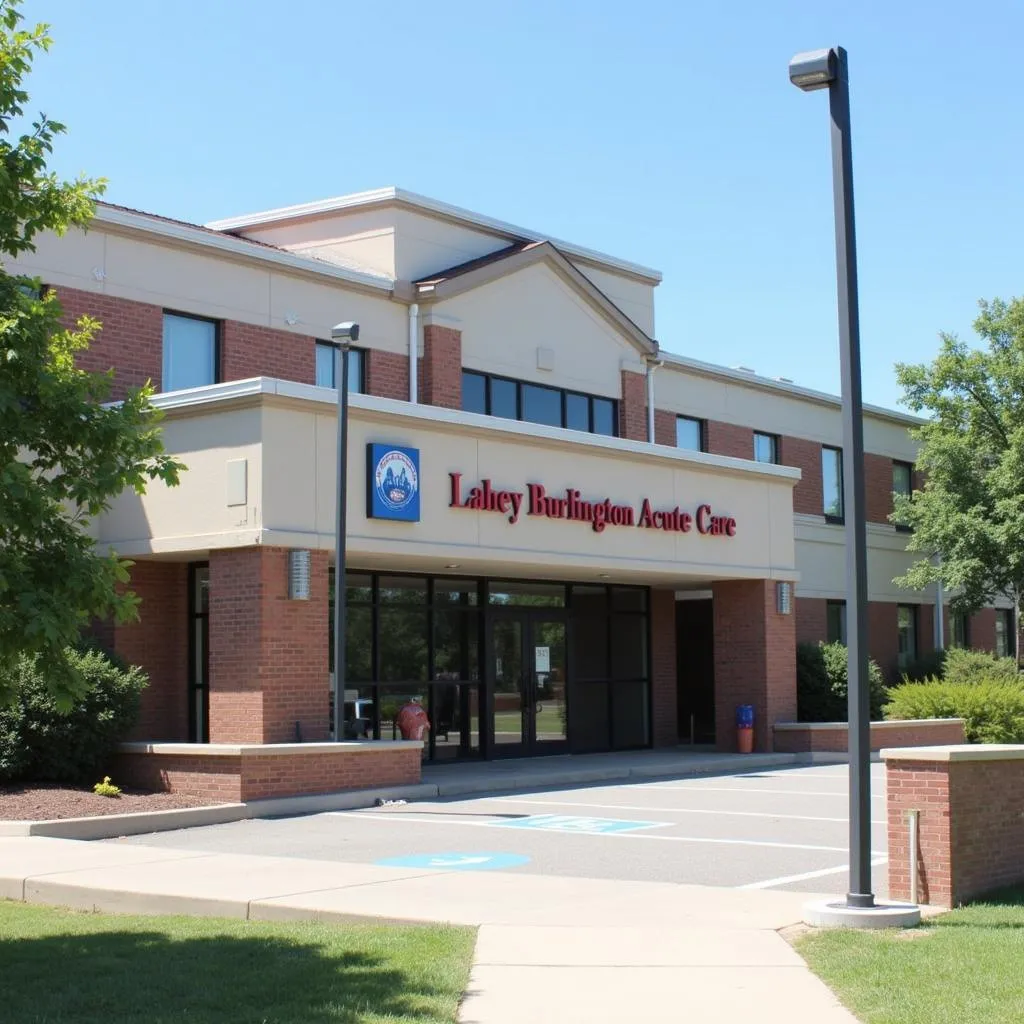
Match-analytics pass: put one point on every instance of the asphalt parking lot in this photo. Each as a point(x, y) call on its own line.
point(769, 829)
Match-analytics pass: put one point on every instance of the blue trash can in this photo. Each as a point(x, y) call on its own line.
point(745, 716)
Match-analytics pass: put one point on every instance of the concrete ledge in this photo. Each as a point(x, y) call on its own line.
point(266, 749)
point(889, 724)
point(957, 752)
point(820, 737)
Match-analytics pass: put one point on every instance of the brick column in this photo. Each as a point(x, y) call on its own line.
point(811, 620)
point(633, 406)
point(441, 367)
point(268, 654)
point(755, 660)
point(665, 427)
point(664, 687)
point(387, 374)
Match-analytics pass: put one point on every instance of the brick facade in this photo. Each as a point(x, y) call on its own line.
point(730, 439)
point(827, 737)
point(755, 659)
point(440, 370)
point(877, 488)
point(633, 407)
point(269, 679)
point(883, 638)
point(664, 427)
point(806, 456)
point(248, 350)
point(664, 691)
point(387, 374)
point(811, 620)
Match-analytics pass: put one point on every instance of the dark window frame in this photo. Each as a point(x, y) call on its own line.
point(909, 467)
point(361, 389)
point(831, 517)
point(1006, 616)
point(915, 619)
point(702, 427)
point(218, 343)
point(841, 606)
point(965, 620)
point(563, 394)
point(195, 616)
point(776, 448)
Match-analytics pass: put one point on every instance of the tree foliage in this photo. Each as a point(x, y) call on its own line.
point(968, 519)
point(64, 455)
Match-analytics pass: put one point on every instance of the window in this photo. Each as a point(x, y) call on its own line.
point(537, 403)
point(326, 363)
point(906, 625)
point(690, 434)
point(835, 622)
point(832, 483)
point(766, 448)
point(189, 352)
point(961, 630)
point(1005, 647)
point(902, 483)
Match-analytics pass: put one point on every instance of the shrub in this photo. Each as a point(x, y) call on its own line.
point(963, 666)
point(993, 711)
point(927, 666)
point(38, 742)
point(821, 684)
point(106, 788)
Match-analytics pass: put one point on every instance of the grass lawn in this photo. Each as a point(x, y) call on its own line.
point(79, 968)
point(966, 967)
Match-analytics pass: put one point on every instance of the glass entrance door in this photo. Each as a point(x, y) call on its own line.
point(526, 651)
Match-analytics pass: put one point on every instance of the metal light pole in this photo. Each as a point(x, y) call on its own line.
point(827, 69)
point(343, 334)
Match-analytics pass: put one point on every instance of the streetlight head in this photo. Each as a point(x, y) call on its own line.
point(815, 69)
point(346, 332)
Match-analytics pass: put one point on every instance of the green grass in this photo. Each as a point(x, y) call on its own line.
point(966, 967)
point(77, 968)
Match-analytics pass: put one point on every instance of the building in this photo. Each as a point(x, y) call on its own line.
point(560, 537)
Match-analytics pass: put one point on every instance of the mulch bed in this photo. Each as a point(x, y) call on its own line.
point(44, 801)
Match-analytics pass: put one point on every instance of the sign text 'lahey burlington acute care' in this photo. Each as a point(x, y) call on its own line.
point(570, 505)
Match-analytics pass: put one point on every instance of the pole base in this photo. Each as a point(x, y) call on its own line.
point(837, 913)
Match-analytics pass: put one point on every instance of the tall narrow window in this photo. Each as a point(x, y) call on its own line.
point(326, 367)
point(189, 352)
point(1005, 646)
point(832, 483)
point(766, 448)
point(961, 630)
point(902, 483)
point(906, 625)
point(835, 622)
point(690, 434)
point(199, 653)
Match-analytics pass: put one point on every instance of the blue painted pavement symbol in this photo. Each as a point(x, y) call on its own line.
point(457, 861)
point(578, 825)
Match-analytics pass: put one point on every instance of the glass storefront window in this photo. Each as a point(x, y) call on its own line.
point(456, 645)
point(456, 592)
point(629, 647)
point(455, 721)
point(540, 595)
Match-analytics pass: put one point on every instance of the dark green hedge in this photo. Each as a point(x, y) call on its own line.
point(821, 684)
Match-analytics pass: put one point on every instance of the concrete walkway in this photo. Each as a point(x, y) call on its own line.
point(549, 949)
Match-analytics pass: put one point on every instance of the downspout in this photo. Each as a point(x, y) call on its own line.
point(414, 346)
point(652, 365)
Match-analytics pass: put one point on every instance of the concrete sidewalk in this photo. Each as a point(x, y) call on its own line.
point(549, 949)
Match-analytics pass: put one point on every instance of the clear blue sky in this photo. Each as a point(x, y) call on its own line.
point(661, 132)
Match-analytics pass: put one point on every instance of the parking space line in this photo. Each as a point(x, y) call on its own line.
point(636, 836)
point(671, 810)
point(806, 876)
point(695, 788)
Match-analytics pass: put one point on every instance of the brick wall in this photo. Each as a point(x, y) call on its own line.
point(982, 629)
point(811, 620)
point(883, 637)
point(806, 456)
point(387, 375)
point(247, 350)
point(969, 843)
point(257, 776)
point(664, 690)
point(831, 737)
point(131, 340)
point(440, 370)
point(633, 407)
point(755, 659)
point(268, 654)
point(877, 488)
point(664, 427)
point(730, 439)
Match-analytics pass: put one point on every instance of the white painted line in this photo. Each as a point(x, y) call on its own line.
point(603, 835)
point(670, 810)
point(806, 876)
point(757, 789)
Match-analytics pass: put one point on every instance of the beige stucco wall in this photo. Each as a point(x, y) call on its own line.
point(634, 297)
point(504, 323)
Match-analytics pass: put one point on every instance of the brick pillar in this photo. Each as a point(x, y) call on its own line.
point(755, 660)
point(811, 620)
point(387, 374)
point(268, 654)
point(884, 638)
point(441, 367)
point(664, 687)
point(665, 427)
point(633, 406)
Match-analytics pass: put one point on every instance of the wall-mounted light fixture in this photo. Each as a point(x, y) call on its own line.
point(298, 575)
point(784, 597)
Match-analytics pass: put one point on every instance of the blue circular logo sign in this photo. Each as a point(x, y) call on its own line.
point(396, 480)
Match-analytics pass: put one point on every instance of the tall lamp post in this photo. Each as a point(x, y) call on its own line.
point(343, 335)
point(827, 69)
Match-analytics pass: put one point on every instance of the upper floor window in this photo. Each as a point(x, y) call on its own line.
point(690, 434)
point(835, 622)
point(766, 448)
point(961, 630)
point(190, 357)
point(1005, 647)
point(902, 483)
point(537, 403)
point(906, 626)
point(832, 483)
point(327, 367)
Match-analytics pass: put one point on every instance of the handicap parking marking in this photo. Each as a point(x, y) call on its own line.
point(580, 825)
point(476, 861)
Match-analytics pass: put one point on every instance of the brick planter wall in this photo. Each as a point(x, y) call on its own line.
point(830, 737)
point(970, 801)
point(235, 774)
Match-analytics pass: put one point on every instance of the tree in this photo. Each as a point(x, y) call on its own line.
point(63, 453)
point(968, 519)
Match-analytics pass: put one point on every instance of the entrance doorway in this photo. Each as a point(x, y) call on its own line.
point(526, 652)
point(695, 670)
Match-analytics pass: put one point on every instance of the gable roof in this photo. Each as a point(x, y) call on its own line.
point(484, 269)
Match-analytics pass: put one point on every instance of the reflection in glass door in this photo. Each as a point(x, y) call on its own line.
point(507, 635)
point(547, 657)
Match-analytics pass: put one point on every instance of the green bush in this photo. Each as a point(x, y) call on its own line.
point(993, 711)
point(40, 743)
point(821, 684)
point(927, 666)
point(963, 666)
